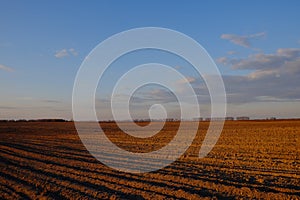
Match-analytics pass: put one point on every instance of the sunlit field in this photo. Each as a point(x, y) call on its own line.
point(252, 159)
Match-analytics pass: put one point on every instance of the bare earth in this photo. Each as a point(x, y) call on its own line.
point(252, 160)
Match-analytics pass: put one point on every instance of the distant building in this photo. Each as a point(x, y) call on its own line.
point(243, 118)
point(229, 118)
point(220, 119)
point(198, 119)
point(214, 119)
point(217, 119)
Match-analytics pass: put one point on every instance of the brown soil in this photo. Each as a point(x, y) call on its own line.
point(252, 160)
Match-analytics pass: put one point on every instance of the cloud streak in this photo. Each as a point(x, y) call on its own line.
point(265, 84)
point(6, 68)
point(65, 53)
point(272, 77)
point(244, 40)
point(263, 61)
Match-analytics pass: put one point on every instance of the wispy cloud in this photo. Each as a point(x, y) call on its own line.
point(65, 52)
point(6, 68)
point(50, 101)
point(263, 61)
point(231, 52)
point(244, 40)
point(73, 52)
point(187, 80)
point(275, 76)
point(61, 53)
point(7, 107)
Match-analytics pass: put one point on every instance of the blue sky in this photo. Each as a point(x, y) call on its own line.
point(255, 44)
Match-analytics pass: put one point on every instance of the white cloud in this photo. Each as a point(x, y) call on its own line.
point(61, 53)
point(6, 68)
point(231, 52)
point(270, 79)
point(275, 75)
point(242, 40)
point(73, 52)
point(263, 61)
point(187, 80)
point(223, 60)
point(65, 52)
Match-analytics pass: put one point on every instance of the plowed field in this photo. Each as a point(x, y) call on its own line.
point(252, 160)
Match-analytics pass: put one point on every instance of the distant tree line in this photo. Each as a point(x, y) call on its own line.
point(35, 120)
point(243, 118)
point(144, 120)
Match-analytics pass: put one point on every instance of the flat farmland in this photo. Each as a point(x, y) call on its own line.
point(251, 160)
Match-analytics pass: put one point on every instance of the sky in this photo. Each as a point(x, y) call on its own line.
point(255, 44)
